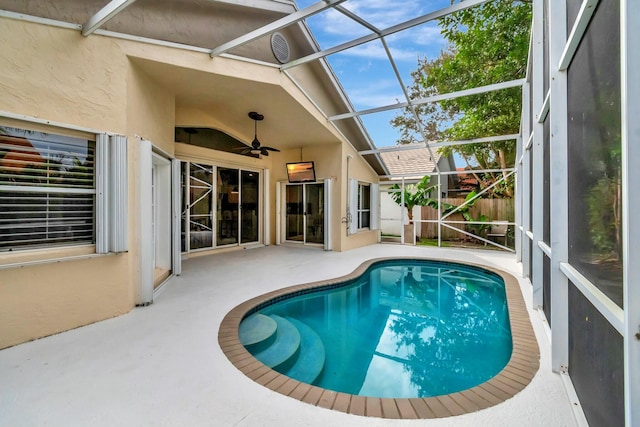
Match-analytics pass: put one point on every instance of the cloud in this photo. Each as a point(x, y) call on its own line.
point(334, 28)
point(376, 93)
point(380, 13)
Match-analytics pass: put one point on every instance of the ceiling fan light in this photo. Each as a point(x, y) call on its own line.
point(255, 151)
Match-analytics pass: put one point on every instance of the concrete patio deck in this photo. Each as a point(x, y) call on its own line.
point(161, 365)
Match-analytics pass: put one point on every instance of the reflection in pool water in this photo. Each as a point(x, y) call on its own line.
point(406, 328)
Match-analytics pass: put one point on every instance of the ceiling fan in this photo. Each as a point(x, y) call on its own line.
point(255, 147)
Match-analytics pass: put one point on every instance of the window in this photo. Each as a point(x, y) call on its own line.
point(58, 191)
point(364, 205)
point(47, 190)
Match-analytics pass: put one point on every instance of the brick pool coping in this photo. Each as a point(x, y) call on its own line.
point(514, 377)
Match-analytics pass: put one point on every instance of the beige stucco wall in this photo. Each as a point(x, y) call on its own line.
point(55, 74)
point(326, 166)
point(45, 299)
point(358, 169)
point(102, 84)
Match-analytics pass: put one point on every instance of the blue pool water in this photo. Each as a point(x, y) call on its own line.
point(405, 328)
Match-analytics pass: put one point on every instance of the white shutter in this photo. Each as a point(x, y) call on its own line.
point(353, 206)
point(327, 214)
point(118, 194)
point(176, 218)
point(278, 211)
point(266, 221)
point(145, 223)
point(374, 218)
point(102, 193)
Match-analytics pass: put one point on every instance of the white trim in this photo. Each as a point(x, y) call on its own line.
point(32, 119)
point(105, 14)
point(279, 216)
point(559, 188)
point(431, 99)
point(352, 208)
point(118, 194)
point(56, 190)
point(544, 111)
point(131, 37)
point(266, 217)
point(418, 177)
point(578, 30)
point(630, 87)
point(609, 309)
point(438, 144)
point(539, 101)
point(53, 260)
point(374, 207)
point(544, 248)
point(176, 218)
point(145, 286)
point(328, 190)
point(287, 20)
point(527, 146)
point(102, 193)
point(39, 20)
point(386, 32)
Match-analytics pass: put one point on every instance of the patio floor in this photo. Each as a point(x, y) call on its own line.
point(161, 365)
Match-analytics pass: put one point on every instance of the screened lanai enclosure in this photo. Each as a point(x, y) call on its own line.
point(496, 124)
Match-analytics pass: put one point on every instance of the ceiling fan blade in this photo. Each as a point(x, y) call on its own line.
point(264, 152)
point(270, 149)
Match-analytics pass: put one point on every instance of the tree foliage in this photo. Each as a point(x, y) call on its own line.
point(487, 44)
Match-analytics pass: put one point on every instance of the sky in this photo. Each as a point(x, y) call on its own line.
point(365, 71)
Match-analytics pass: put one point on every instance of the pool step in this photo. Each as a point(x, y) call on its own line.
point(285, 344)
point(284, 349)
point(310, 361)
point(257, 332)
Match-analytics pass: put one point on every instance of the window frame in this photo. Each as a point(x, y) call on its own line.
point(109, 189)
point(361, 210)
point(56, 146)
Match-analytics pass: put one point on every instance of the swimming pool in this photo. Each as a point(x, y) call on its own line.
point(434, 338)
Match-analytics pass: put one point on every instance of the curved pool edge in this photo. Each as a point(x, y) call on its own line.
point(513, 378)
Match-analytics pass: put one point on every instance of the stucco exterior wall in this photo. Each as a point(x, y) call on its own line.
point(55, 74)
point(358, 169)
point(45, 299)
point(103, 84)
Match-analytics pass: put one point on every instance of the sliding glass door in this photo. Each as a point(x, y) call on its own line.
point(304, 213)
point(220, 206)
point(249, 190)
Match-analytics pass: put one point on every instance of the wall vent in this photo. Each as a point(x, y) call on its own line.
point(280, 47)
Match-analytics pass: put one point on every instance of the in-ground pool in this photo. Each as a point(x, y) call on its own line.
point(417, 327)
point(405, 328)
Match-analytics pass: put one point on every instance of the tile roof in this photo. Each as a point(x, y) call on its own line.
point(411, 163)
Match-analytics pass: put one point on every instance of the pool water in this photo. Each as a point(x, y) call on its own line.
point(405, 328)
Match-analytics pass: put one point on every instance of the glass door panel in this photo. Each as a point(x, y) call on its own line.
point(228, 206)
point(249, 189)
point(200, 203)
point(314, 202)
point(295, 213)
